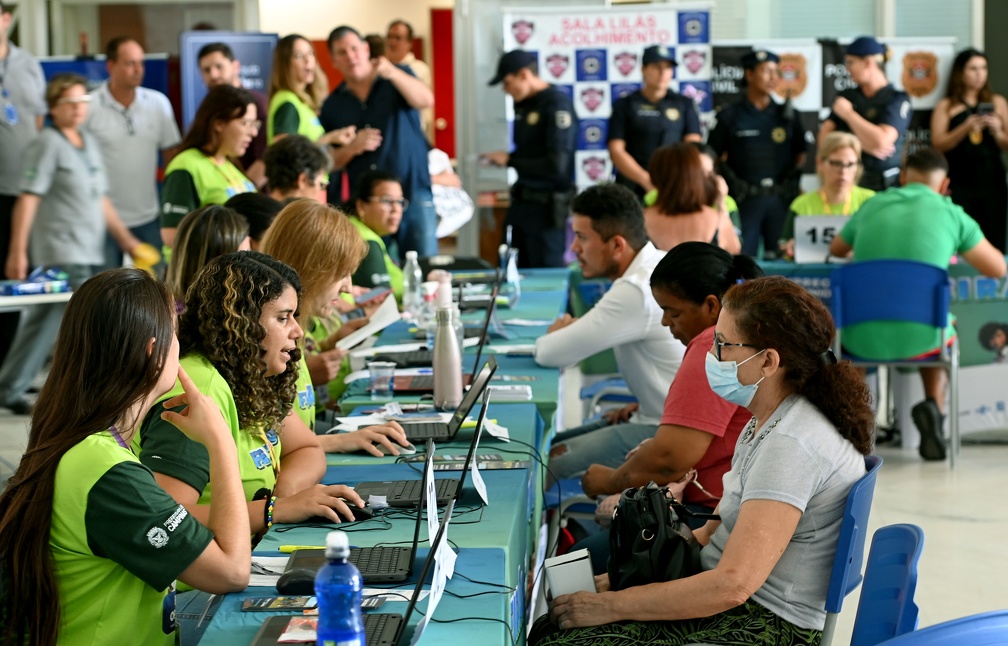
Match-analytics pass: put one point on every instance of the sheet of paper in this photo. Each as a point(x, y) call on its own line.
point(382, 349)
point(477, 477)
point(517, 349)
point(386, 314)
point(348, 424)
point(266, 570)
point(496, 430)
point(526, 322)
point(430, 496)
point(446, 557)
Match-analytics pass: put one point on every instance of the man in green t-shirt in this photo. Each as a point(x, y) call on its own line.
point(915, 222)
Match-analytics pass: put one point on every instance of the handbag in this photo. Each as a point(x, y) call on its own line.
point(650, 540)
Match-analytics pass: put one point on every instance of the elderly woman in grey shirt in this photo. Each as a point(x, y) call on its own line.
point(767, 561)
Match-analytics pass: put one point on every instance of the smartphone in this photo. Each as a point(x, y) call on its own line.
point(371, 295)
point(985, 108)
point(269, 604)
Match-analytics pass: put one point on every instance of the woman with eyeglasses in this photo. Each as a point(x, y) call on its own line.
point(204, 173)
point(297, 90)
point(838, 164)
point(297, 167)
point(379, 206)
point(766, 562)
point(59, 219)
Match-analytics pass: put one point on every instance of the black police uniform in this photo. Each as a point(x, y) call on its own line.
point(645, 126)
point(888, 106)
point(545, 134)
point(762, 149)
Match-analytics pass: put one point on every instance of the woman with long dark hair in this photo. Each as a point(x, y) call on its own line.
point(767, 561)
point(204, 171)
point(90, 545)
point(969, 126)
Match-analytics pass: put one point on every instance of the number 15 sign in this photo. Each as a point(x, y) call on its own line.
point(813, 235)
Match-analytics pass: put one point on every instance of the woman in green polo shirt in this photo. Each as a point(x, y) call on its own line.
point(297, 90)
point(319, 243)
point(203, 173)
point(379, 206)
point(90, 545)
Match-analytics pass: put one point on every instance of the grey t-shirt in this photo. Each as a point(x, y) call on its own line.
point(69, 227)
point(22, 100)
point(804, 462)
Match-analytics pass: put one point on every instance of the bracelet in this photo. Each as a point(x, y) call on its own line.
point(268, 518)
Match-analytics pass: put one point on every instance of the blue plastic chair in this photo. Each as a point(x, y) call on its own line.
point(886, 608)
point(846, 574)
point(984, 629)
point(899, 290)
point(613, 391)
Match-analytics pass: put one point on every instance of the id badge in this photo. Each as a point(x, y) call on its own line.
point(10, 113)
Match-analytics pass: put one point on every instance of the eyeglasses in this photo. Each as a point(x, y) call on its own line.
point(718, 344)
point(836, 164)
point(86, 98)
point(252, 124)
point(303, 56)
point(387, 202)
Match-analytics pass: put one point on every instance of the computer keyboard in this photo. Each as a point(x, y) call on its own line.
point(413, 490)
point(409, 359)
point(376, 560)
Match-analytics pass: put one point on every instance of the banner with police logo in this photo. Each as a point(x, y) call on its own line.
point(595, 57)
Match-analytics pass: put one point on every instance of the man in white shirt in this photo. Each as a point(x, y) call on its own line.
point(610, 242)
point(399, 50)
point(132, 124)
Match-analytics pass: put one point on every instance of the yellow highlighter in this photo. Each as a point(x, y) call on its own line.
point(287, 549)
point(471, 423)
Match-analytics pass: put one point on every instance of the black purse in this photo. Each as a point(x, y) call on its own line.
point(650, 540)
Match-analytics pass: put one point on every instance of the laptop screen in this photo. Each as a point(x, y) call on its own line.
point(479, 383)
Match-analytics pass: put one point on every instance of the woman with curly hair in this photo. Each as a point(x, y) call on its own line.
point(84, 550)
point(324, 247)
point(767, 561)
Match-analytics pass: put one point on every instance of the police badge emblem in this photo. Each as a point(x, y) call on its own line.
point(594, 167)
point(694, 60)
point(557, 64)
point(522, 30)
point(532, 118)
point(920, 73)
point(793, 75)
point(626, 62)
point(592, 98)
point(778, 135)
point(672, 114)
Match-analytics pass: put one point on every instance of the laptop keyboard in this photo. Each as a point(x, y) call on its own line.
point(413, 490)
point(374, 626)
point(425, 429)
point(376, 560)
point(422, 382)
point(408, 359)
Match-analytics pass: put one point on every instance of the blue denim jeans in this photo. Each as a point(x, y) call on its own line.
point(418, 231)
point(194, 610)
point(597, 442)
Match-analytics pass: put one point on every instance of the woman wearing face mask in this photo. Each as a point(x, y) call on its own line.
point(767, 562)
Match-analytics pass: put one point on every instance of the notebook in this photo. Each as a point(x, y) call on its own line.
point(407, 493)
point(380, 629)
point(381, 564)
point(444, 431)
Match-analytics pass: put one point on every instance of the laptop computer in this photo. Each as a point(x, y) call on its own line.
point(443, 431)
point(425, 357)
point(380, 628)
point(408, 493)
point(380, 564)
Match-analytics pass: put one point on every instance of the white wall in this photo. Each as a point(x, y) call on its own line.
point(314, 19)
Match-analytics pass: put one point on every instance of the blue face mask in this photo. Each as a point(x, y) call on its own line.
point(723, 379)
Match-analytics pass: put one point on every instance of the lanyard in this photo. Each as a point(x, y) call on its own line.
point(272, 453)
point(846, 206)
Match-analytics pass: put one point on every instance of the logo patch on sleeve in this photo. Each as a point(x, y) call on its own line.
point(157, 537)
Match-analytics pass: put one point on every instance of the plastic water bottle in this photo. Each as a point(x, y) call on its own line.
point(426, 316)
point(338, 589)
point(447, 359)
point(412, 297)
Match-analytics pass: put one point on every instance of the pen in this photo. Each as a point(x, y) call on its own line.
point(287, 549)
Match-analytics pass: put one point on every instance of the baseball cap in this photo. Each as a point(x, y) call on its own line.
point(656, 53)
point(757, 56)
point(865, 46)
point(512, 62)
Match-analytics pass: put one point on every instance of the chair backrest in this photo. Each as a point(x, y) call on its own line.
point(984, 629)
point(886, 608)
point(846, 573)
point(890, 290)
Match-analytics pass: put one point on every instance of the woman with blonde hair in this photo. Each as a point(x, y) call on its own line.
point(838, 164)
point(681, 211)
point(321, 244)
point(297, 90)
point(203, 235)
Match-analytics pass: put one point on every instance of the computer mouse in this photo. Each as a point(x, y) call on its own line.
point(359, 513)
point(362, 513)
point(299, 581)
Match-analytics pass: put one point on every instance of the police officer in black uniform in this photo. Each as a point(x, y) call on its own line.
point(762, 147)
point(875, 112)
point(545, 135)
point(646, 120)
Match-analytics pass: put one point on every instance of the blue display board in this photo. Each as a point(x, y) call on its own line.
point(252, 49)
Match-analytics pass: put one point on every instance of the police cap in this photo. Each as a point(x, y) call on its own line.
point(757, 56)
point(511, 63)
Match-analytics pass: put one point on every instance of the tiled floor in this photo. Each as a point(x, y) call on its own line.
point(964, 568)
